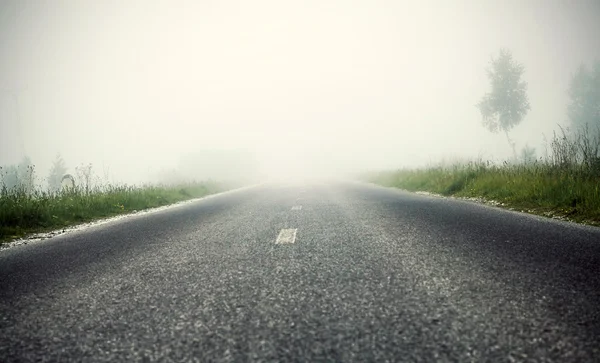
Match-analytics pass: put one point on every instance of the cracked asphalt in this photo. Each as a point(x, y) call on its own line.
point(373, 275)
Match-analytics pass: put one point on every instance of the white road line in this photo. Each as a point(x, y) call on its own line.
point(286, 236)
point(297, 207)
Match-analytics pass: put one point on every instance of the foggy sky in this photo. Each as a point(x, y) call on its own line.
point(135, 86)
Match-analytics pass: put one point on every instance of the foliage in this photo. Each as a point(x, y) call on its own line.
point(527, 155)
point(22, 213)
point(84, 176)
point(57, 171)
point(21, 176)
point(507, 103)
point(576, 149)
point(584, 92)
point(563, 184)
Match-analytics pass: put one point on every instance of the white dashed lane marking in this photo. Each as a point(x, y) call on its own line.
point(286, 236)
point(297, 207)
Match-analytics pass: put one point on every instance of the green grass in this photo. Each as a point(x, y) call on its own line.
point(24, 213)
point(541, 188)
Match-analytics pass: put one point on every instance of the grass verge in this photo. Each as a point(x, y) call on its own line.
point(566, 192)
point(23, 213)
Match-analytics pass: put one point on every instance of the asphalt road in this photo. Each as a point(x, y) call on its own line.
point(373, 274)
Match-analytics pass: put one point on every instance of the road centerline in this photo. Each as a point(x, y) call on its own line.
point(286, 236)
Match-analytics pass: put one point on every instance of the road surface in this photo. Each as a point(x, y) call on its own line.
point(340, 272)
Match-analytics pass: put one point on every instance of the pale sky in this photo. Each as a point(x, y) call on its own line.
point(135, 86)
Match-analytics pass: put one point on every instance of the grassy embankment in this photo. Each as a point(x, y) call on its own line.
point(565, 184)
point(23, 213)
point(534, 188)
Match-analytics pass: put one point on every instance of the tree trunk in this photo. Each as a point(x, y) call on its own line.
point(512, 145)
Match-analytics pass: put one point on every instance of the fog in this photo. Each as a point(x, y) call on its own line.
point(223, 89)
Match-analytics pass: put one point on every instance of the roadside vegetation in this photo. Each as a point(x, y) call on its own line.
point(26, 208)
point(564, 183)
